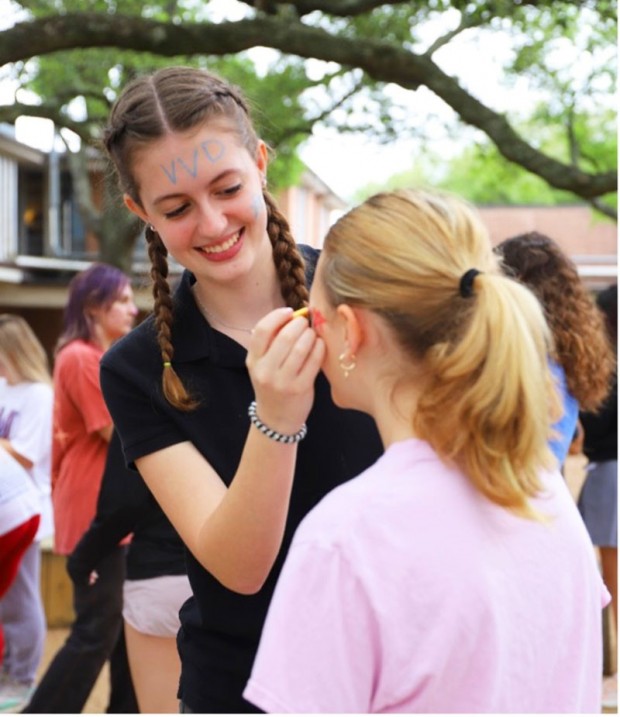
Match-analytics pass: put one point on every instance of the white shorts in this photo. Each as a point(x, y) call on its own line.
point(152, 606)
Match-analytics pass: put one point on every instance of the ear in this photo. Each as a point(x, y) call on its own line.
point(135, 208)
point(262, 157)
point(354, 325)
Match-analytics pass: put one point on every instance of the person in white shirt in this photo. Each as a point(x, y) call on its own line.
point(26, 398)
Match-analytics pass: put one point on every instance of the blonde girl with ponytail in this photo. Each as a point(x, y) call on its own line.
point(444, 577)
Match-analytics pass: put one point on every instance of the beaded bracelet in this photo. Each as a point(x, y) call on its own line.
point(274, 435)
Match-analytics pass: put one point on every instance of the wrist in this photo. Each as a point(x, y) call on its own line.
point(271, 432)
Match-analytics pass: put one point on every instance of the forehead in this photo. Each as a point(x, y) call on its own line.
point(126, 291)
point(178, 158)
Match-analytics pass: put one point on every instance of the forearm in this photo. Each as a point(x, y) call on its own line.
point(234, 532)
point(22, 460)
point(101, 538)
point(241, 539)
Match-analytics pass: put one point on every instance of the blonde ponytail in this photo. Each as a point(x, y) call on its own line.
point(423, 261)
point(491, 401)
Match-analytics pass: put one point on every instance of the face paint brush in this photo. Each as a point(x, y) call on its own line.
point(304, 311)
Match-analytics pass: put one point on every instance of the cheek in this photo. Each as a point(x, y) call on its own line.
point(318, 322)
point(330, 365)
point(117, 317)
point(258, 206)
point(254, 213)
point(175, 236)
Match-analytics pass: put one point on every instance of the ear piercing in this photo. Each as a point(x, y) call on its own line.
point(346, 367)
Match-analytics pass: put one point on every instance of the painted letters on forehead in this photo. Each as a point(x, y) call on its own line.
point(211, 150)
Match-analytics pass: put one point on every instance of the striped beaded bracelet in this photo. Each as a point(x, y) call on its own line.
point(274, 435)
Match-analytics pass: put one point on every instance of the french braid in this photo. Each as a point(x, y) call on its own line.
point(287, 257)
point(173, 388)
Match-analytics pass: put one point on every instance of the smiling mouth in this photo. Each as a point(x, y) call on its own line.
point(224, 246)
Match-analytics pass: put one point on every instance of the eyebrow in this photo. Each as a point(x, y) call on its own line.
point(179, 195)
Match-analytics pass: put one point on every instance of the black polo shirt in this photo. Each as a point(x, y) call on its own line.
point(220, 628)
point(126, 505)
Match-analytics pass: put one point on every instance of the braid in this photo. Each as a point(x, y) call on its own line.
point(173, 388)
point(287, 257)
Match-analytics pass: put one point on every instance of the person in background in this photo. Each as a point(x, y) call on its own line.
point(581, 358)
point(100, 309)
point(25, 433)
point(445, 577)
point(20, 516)
point(226, 420)
point(156, 584)
point(598, 498)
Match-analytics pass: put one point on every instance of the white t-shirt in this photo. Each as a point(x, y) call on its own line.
point(26, 420)
point(405, 590)
point(19, 499)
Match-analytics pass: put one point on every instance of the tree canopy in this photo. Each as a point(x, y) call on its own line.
point(74, 55)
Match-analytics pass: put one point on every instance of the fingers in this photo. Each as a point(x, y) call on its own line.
point(282, 337)
point(270, 326)
point(284, 357)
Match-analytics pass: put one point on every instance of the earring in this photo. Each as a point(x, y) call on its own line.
point(346, 367)
point(152, 228)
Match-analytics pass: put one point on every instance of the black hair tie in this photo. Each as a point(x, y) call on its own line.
point(466, 285)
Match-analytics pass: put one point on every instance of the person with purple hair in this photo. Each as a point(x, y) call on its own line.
point(100, 309)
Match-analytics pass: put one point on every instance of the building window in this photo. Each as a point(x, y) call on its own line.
point(71, 227)
point(31, 194)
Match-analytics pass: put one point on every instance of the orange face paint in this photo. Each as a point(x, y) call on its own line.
point(314, 316)
point(317, 320)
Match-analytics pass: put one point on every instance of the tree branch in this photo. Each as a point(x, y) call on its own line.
point(352, 8)
point(604, 209)
point(467, 22)
point(336, 8)
point(306, 127)
point(9, 113)
point(381, 61)
point(82, 189)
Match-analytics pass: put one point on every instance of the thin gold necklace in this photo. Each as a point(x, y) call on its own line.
point(211, 317)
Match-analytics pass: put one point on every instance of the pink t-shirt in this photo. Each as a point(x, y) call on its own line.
point(405, 590)
point(78, 451)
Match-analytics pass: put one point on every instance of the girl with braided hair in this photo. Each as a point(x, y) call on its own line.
point(214, 392)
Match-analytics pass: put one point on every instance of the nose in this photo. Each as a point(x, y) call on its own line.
point(212, 221)
point(131, 305)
